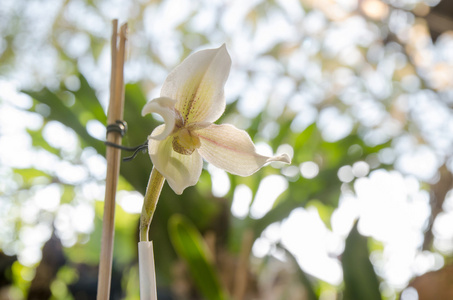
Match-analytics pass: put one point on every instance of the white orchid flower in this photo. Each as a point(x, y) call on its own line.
point(192, 98)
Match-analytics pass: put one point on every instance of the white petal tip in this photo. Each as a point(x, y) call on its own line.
point(284, 158)
point(148, 108)
point(162, 135)
point(177, 188)
point(158, 137)
point(165, 107)
point(158, 105)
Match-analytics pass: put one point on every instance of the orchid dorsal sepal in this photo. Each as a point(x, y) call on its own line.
point(192, 98)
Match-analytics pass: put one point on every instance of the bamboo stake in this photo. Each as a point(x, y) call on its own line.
point(113, 155)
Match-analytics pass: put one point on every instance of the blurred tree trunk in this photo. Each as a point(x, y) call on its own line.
point(438, 193)
point(6, 263)
point(436, 285)
point(440, 18)
point(52, 260)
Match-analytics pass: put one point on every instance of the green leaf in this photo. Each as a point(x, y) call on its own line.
point(68, 115)
point(359, 278)
point(38, 140)
point(87, 98)
point(29, 175)
point(324, 211)
point(305, 279)
point(191, 247)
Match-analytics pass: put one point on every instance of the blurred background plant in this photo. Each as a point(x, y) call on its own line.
point(359, 92)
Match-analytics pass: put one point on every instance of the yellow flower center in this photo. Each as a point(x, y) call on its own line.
point(184, 142)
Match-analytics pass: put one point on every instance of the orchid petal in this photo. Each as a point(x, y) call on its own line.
point(231, 149)
point(165, 107)
point(197, 83)
point(180, 170)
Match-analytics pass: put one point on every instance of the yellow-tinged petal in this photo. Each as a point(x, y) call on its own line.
point(181, 171)
point(165, 107)
point(197, 85)
point(231, 149)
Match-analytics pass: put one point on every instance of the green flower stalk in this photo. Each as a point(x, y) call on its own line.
point(156, 181)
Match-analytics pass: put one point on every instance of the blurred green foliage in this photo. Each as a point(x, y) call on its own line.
point(190, 245)
point(359, 278)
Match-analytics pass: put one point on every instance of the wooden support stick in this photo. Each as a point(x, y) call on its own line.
point(113, 155)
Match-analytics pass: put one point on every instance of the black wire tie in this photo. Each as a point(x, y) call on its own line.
point(143, 147)
point(119, 126)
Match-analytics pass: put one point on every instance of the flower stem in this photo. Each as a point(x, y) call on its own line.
point(156, 181)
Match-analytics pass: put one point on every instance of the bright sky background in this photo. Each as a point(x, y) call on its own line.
point(393, 206)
